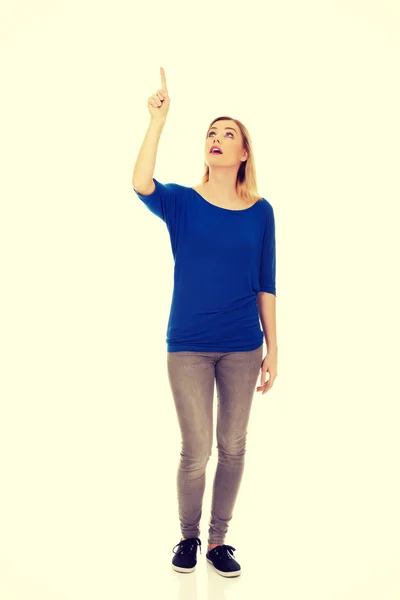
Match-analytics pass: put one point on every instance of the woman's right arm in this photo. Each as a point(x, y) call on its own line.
point(158, 106)
point(142, 177)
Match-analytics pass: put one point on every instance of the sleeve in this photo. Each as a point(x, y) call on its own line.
point(163, 202)
point(268, 256)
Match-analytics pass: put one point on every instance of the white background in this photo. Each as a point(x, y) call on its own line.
point(89, 440)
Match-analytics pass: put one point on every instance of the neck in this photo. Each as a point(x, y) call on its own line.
point(222, 184)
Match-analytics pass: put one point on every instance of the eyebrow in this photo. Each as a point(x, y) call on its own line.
point(224, 128)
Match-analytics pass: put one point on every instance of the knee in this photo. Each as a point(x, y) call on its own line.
point(232, 446)
point(195, 457)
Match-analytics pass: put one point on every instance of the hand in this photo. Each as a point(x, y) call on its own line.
point(268, 365)
point(158, 103)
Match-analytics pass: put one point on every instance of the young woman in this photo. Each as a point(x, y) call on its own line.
point(223, 241)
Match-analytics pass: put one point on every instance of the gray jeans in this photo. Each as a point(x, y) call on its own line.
point(191, 376)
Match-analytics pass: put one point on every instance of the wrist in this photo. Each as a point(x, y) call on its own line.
point(158, 120)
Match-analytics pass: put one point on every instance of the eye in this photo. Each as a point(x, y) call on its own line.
point(230, 132)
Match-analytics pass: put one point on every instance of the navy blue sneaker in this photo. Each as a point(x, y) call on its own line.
point(185, 560)
point(222, 559)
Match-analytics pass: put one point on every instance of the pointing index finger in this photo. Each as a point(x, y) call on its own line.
point(163, 80)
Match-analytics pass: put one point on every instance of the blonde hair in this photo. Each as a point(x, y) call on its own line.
point(246, 181)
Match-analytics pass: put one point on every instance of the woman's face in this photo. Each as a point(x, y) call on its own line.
point(227, 136)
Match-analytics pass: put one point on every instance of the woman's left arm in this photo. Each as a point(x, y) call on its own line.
point(267, 310)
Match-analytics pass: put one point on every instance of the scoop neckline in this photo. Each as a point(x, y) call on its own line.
point(222, 208)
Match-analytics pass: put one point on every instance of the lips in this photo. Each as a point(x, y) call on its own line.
point(215, 146)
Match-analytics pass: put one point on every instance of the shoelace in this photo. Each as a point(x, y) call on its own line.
point(224, 551)
point(190, 544)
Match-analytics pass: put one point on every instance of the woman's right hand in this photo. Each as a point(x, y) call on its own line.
point(158, 103)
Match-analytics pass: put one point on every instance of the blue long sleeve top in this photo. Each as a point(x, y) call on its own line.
point(222, 259)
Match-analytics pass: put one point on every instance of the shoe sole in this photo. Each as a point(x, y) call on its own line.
point(225, 573)
point(183, 569)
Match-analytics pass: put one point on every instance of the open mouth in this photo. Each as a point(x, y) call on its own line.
point(215, 151)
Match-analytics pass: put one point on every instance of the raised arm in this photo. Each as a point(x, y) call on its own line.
point(158, 106)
